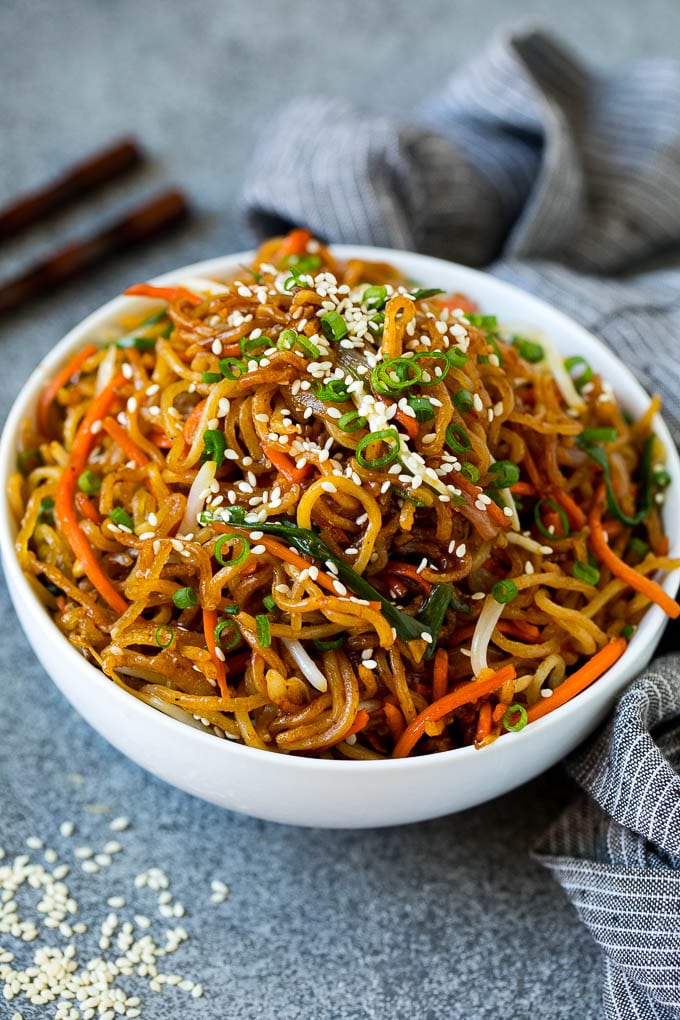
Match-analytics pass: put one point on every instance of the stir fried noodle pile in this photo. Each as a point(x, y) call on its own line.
point(320, 510)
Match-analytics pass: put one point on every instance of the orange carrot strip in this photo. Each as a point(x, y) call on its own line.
point(579, 680)
point(290, 556)
point(440, 674)
point(191, 424)
point(64, 505)
point(465, 304)
point(162, 293)
point(54, 385)
point(294, 243)
point(209, 624)
point(362, 719)
point(498, 712)
point(399, 569)
point(629, 575)
point(532, 471)
point(127, 445)
point(160, 440)
point(394, 719)
point(409, 423)
point(576, 516)
point(86, 508)
point(523, 489)
point(463, 695)
point(483, 722)
point(528, 632)
point(285, 465)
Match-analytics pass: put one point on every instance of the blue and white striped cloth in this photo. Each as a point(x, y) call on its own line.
point(560, 178)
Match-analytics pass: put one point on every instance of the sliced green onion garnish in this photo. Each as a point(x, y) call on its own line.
point(456, 357)
point(385, 436)
point(185, 598)
point(511, 712)
point(122, 518)
point(485, 359)
point(235, 638)
point(251, 345)
point(235, 560)
point(424, 292)
point(564, 520)
point(24, 461)
point(303, 263)
point(505, 591)
point(445, 364)
point(585, 572)
point(391, 377)
point(463, 401)
point(422, 407)
point(262, 631)
point(289, 339)
point(638, 547)
point(89, 482)
point(233, 368)
point(584, 376)
point(597, 436)
point(470, 471)
point(211, 377)
point(528, 349)
point(376, 325)
point(333, 325)
point(330, 645)
point(231, 610)
point(352, 421)
point(457, 438)
point(269, 603)
point(140, 343)
point(375, 297)
point(505, 474)
point(46, 510)
point(214, 446)
point(164, 636)
point(661, 479)
point(489, 323)
point(628, 631)
point(333, 391)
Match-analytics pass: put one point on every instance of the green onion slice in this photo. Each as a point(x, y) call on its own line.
point(229, 539)
point(520, 723)
point(585, 572)
point(334, 391)
point(24, 460)
point(470, 471)
point(233, 368)
point(120, 517)
point(528, 349)
point(584, 376)
point(185, 598)
point(446, 363)
point(456, 357)
point(505, 474)
point(330, 645)
point(89, 481)
point(628, 631)
point(269, 603)
point(211, 377)
point(164, 636)
point(375, 297)
point(235, 638)
point(289, 339)
point(463, 401)
point(333, 325)
point(262, 631)
point(422, 407)
point(386, 436)
point(505, 591)
point(457, 438)
point(352, 421)
point(425, 292)
point(564, 520)
point(214, 446)
point(251, 345)
point(597, 436)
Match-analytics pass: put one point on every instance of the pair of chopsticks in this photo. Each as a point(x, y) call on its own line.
point(141, 224)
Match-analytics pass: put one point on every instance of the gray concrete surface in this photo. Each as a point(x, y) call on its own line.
point(445, 919)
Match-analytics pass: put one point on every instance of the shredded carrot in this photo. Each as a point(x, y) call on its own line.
point(532, 471)
point(283, 552)
point(629, 575)
point(209, 624)
point(465, 304)
point(61, 603)
point(440, 674)
point(498, 712)
point(579, 680)
point(86, 508)
point(64, 506)
point(191, 424)
point(394, 719)
point(409, 423)
point(127, 445)
point(362, 719)
point(463, 695)
point(523, 489)
point(160, 440)
point(286, 466)
point(162, 293)
point(293, 244)
point(399, 569)
point(54, 385)
point(576, 516)
point(484, 722)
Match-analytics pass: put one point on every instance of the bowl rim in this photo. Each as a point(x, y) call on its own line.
point(649, 629)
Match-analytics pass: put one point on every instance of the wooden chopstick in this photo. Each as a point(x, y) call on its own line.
point(117, 159)
point(142, 224)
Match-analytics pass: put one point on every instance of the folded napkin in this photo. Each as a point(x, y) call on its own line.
point(560, 178)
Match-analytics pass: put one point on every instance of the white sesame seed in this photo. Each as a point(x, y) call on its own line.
point(119, 824)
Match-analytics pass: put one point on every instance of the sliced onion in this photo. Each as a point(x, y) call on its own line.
point(560, 375)
point(201, 285)
point(529, 544)
point(106, 370)
point(309, 668)
point(488, 618)
point(198, 493)
point(173, 711)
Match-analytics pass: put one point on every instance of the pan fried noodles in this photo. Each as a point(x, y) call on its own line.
point(320, 510)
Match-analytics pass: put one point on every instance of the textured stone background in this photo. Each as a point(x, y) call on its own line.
point(444, 919)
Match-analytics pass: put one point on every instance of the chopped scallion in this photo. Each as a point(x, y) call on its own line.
point(505, 591)
point(185, 598)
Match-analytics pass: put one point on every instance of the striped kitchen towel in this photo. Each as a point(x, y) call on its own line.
point(567, 183)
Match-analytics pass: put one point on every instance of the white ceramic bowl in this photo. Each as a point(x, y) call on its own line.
point(304, 791)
